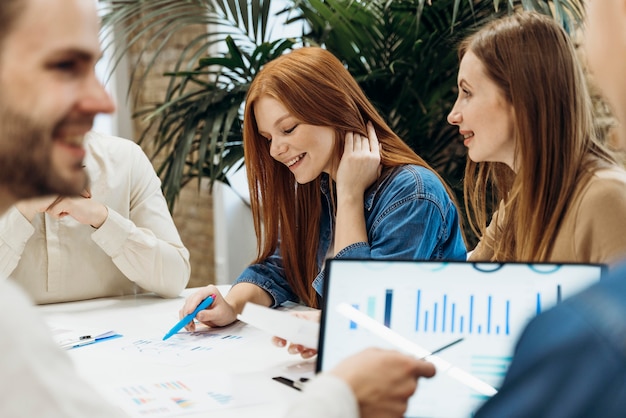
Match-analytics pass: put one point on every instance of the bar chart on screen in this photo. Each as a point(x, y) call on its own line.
point(489, 314)
point(433, 303)
point(491, 311)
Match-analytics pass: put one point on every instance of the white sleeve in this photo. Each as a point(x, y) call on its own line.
point(37, 378)
point(326, 396)
point(147, 247)
point(15, 231)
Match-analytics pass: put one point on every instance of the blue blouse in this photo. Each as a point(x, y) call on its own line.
point(408, 215)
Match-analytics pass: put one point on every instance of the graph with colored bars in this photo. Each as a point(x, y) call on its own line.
point(432, 304)
point(181, 347)
point(467, 314)
point(173, 397)
point(489, 318)
point(159, 398)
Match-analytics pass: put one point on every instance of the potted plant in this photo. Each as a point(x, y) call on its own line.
point(401, 52)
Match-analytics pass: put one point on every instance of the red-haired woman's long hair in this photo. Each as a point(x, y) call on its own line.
point(315, 88)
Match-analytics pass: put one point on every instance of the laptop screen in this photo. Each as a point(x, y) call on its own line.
point(434, 303)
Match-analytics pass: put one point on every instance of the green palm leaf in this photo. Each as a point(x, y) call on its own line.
point(402, 53)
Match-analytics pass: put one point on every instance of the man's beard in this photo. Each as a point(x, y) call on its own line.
point(26, 157)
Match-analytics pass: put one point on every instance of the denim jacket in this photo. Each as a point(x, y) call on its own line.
point(408, 215)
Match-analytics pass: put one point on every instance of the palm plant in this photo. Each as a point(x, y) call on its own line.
point(401, 52)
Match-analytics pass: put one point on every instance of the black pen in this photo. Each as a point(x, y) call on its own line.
point(297, 385)
point(442, 348)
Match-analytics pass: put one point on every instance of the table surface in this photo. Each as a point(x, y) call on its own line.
point(249, 363)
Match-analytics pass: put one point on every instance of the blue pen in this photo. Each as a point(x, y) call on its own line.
point(187, 319)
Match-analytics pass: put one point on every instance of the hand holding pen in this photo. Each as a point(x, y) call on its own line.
point(187, 319)
point(218, 314)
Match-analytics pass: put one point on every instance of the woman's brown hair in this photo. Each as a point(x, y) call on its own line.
point(534, 63)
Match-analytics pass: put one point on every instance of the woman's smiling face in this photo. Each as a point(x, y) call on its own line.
point(484, 117)
point(306, 149)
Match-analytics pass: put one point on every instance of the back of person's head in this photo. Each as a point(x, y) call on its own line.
point(534, 63)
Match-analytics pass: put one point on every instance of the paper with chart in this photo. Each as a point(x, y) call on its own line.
point(184, 394)
point(185, 348)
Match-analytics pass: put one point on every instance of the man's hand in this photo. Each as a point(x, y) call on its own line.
point(84, 209)
point(30, 207)
point(382, 380)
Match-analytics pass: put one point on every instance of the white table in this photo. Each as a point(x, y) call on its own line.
point(107, 365)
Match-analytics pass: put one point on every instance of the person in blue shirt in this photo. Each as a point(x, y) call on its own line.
point(328, 178)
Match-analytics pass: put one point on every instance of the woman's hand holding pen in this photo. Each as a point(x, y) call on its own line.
point(223, 311)
point(305, 352)
point(218, 314)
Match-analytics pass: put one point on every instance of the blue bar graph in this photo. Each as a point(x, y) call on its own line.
point(417, 311)
point(471, 313)
point(538, 308)
point(371, 308)
point(444, 316)
point(443, 313)
point(388, 303)
point(452, 321)
point(352, 323)
point(489, 314)
point(484, 313)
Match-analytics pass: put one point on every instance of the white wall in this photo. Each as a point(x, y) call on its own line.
point(118, 123)
point(233, 228)
point(235, 241)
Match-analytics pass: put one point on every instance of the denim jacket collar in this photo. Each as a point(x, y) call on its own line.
point(370, 193)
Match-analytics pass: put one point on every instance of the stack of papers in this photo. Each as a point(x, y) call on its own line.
point(281, 324)
point(72, 338)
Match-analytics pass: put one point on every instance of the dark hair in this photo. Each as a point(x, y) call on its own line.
point(10, 10)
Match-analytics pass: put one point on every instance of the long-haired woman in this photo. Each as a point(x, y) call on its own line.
point(525, 115)
point(328, 178)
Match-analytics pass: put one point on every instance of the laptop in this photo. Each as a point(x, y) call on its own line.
point(434, 303)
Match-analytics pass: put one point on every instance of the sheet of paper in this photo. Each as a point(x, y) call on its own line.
point(185, 348)
point(68, 337)
point(281, 324)
point(188, 394)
